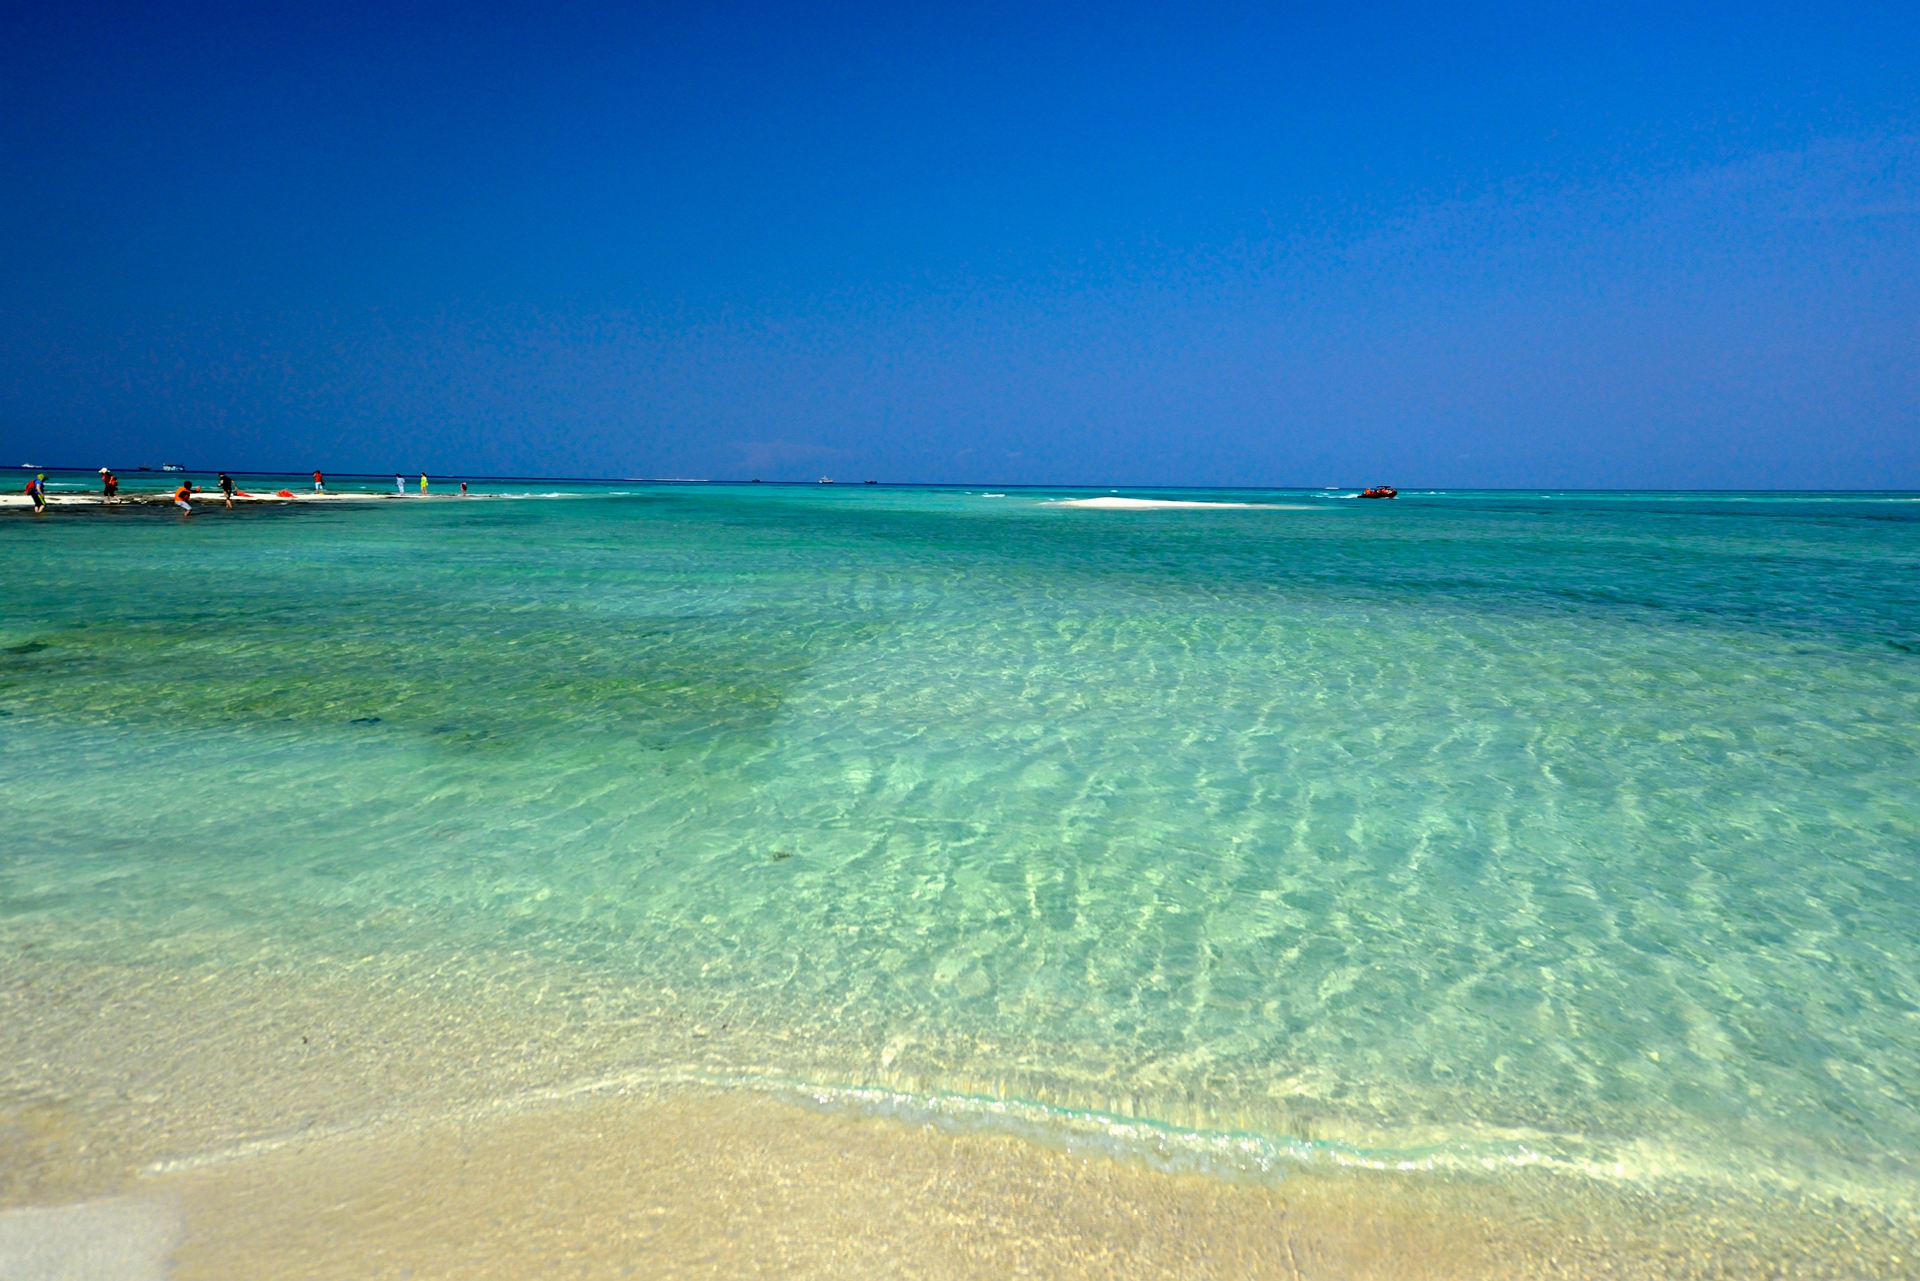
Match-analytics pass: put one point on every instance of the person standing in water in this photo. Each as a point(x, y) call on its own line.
point(319, 483)
point(399, 485)
point(463, 489)
point(423, 482)
point(37, 490)
point(226, 488)
point(180, 497)
point(109, 484)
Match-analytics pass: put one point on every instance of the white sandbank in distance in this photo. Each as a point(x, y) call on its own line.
point(1155, 504)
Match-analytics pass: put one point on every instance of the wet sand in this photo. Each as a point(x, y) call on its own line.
point(345, 1125)
point(700, 1182)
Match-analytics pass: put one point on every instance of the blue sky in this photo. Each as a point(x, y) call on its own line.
point(1540, 245)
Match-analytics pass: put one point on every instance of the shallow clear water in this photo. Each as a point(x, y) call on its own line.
point(1563, 827)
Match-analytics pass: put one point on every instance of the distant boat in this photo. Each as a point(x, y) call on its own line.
point(1380, 491)
point(171, 467)
point(30, 466)
point(826, 480)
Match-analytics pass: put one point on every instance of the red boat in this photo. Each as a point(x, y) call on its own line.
point(1380, 491)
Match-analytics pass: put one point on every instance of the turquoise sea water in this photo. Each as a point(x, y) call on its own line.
point(1469, 827)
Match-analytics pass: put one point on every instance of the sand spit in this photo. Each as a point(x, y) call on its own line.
point(207, 497)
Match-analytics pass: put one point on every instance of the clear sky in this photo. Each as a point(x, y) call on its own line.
point(1620, 245)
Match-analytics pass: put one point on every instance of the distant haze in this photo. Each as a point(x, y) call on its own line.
point(1114, 244)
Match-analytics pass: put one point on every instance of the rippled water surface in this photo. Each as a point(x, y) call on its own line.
point(1557, 827)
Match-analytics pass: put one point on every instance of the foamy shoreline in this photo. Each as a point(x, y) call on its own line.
point(377, 1148)
point(687, 1180)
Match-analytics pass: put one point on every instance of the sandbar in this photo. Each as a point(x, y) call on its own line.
point(204, 498)
point(1116, 503)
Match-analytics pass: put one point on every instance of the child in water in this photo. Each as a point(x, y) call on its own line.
point(180, 497)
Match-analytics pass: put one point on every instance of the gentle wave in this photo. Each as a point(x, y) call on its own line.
point(1232, 1155)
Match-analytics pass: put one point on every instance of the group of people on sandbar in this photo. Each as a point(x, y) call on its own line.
point(400, 485)
point(184, 495)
